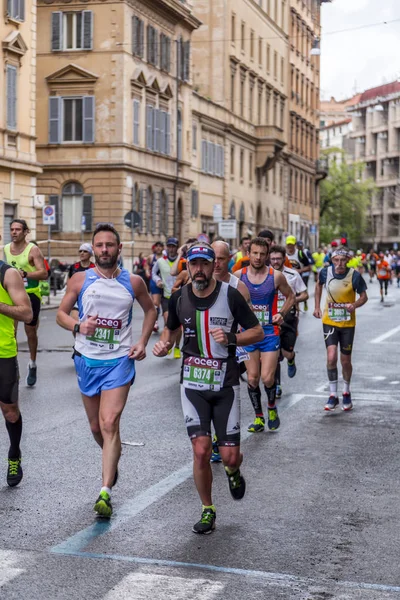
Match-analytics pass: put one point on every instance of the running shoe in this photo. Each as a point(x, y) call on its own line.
point(273, 419)
point(347, 403)
point(305, 306)
point(206, 524)
point(278, 392)
point(332, 403)
point(291, 369)
point(14, 471)
point(215, 456)
point(31, 377)
point(257, 426)
point(103, 506)
point(237, 484)
point(177, 352)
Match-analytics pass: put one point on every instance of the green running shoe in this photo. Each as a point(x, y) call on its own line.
point(206, 524)
point(273, 419)
point(103, 506)
point(14, 471)
point(257, 426)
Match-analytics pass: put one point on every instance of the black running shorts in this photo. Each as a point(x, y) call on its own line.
point(339, 335)
point(222, 408)
point(383, 283)
point(289, 334)
point(9, 377)
point(36, 304)
point(164, 304)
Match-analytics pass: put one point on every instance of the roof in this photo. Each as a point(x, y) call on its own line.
point(381, 90)
point(336, 124)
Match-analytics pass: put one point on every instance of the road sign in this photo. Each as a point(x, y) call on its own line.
point(395, 246)
point(202, 237)
point(132, 219)
point(227, 229)
point(49, 215)
point(313, 229)
point(217, 213)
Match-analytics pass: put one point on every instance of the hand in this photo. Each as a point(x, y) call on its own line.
point(160, 284)
point(161, 348)
point(89, 326)
point(22, 273)
point(219, 336)
point(317, 313)
point(277, 319)
point(350, 307)
point(138, 351)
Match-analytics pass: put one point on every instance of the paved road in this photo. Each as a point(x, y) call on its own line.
point(319, 520)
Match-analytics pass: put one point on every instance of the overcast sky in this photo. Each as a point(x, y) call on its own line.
point(360, 59)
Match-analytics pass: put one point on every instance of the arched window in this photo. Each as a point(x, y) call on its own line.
point(232, 210)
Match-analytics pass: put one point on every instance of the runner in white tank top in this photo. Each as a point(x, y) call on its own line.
point(104, 355)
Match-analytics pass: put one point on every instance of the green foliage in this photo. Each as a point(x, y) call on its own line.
point(344, 201)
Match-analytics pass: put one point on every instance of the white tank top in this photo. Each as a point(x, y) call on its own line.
point(233, 281)
point(112, 301)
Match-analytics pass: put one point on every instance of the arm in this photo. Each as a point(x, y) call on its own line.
point(302, 297)
point(282, 285)
point(74, 285)
point(363, 298)
point(180, 281)
point(318, 294)
point(155, 275)
point(175, 267)
point(300, 290)
point(138, 350)
point(237, 273)
point(172, 329)
point(36, 257)
point(22, 309)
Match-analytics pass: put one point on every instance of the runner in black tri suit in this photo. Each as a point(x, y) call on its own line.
point(83, 264)
point(209, 312)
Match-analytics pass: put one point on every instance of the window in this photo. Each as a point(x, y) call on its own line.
point(74, 207)
point(152, 45)
point(241, 99)
point(179, 134)
point(275, 65)
point(184, 60)
point(194, 137)
point(233, 79)
point(195, 204)
point(11, 97)
point(259, 107)
point(241, 164)
point(137, 36)
point(260, 51)
point(274, 179)
point(164, 213)
point(151, 209)
point(16, 9)
point(72, 30)
point(251, 100)
point(71, 119)
point(281, 181)
point(233, 28)
point(165, 52)
point(251, 168)
point(282, 71)
point(158, 130)
point(251, 44)
point(212, 158)
point(268, 58)
point(282, 114)
point(136, 122)
point(232, 160)
point(242, 34)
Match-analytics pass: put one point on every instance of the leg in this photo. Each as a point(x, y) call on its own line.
point(347, 367)
point(253, 389)
point(13, 419)
point(9, 378)
point(92, 406)
point(269, 361)
point(31, 334)
point(202, 472)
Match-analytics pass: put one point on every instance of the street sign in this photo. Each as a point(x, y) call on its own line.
point(227, 229)
point(313, 229)
point(49, 214)
point(132, 219)
point(203, 238)
point(217, 213)
point(83, 223)
point(395, 246)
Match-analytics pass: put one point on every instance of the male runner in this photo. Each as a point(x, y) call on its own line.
point(28, 259)
point(288, 333)
point(161, 275)
point(14, 306)
point(383, 273)
point(104, 355)
point(339, 320)
point(298, 259)
point(84, 263)
point(155, 291)
point(263, 283)
point(210, 312)
point(244, 261)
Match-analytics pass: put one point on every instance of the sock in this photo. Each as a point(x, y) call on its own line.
point(278, 374)
point(231, 471)
point(291, 362)
point(32, 364)
point(106, 489)
point(346, 387)
point(14, 432)
point(271, 394)
point(255, 397)
point(333, 381)
point(212, 506)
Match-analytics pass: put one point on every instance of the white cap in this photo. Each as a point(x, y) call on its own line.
point(86, 247)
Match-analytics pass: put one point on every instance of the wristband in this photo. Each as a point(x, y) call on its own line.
point(76, 329)
point(280, 313)
point(232, 339)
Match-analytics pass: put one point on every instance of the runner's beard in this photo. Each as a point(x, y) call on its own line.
point(200, 286)
point(107, 262)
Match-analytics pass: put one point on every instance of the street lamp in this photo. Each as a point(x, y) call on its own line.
point(315, 48)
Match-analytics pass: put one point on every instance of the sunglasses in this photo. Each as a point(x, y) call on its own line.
point(83, 251)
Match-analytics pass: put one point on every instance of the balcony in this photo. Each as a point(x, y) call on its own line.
point(269, 146)
point(321, 169)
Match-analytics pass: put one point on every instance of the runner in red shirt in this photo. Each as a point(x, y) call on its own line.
point(384, 273)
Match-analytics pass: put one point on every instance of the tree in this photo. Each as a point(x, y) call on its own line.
point(344, 200)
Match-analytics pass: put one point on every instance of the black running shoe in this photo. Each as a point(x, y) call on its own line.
point(237, 484)
point(31, 377)
point(14, 471)
point(206, 524)
point(273, 419)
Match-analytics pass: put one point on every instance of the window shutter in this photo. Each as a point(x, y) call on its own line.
point(168, 134)
point(149, 42)
point(162, 132)
point(136, 116)
point(186, 64)
point(141, 206)
point(11, 97)
point(88, 119)
point(56, 31)
point(162, 50)
point(135, 40)
point(149, 209)
point(156, 198)
point(203, 156)
point(167, 54)
point(55, 201)
point(141, 38)
point(210, 158)
point(155, 40)
point(87, 211)
point(222, 161)
point(149, 127)
point(193, 203)
point(54, 120)
point(9, 8)
point(87, 30)
point(156, 130)
point(21, 10)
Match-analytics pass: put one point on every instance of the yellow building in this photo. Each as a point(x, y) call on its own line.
point(240, 115)
point(18, 164)
point(114, 118)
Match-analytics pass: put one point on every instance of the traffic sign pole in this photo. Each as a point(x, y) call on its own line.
point(48, 258)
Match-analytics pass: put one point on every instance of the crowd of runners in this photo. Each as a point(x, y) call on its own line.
point(226, 315)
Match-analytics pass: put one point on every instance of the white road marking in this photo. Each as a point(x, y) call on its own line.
point(142, 586)
point(386, 335)
point(7, 570)
point(394, 382)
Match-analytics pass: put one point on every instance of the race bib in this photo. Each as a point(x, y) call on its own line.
point(382, 272)
point(281, 301)
point(337, 312)
point(203, 373)
point(262, 313)
point(107, 334)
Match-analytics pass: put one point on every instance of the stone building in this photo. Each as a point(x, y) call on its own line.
point(18, 164)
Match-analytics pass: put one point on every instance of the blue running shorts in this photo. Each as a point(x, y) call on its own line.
point(92, 380)
point(270, 343)
point(154, 289)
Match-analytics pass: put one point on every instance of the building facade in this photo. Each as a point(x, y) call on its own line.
point(114, 118)
point(18, 164)
point(336, 137)
point(376, 132)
